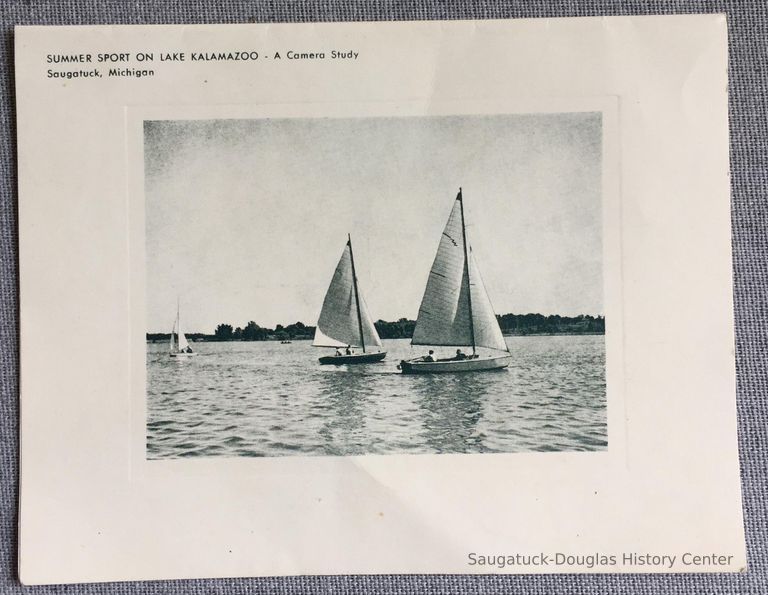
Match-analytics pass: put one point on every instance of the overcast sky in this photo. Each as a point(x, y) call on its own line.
point(246, 219)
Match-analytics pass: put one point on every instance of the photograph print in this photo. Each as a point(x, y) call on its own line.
point(374, 285)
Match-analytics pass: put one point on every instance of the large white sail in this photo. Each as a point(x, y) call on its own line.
point(338, 324)
point(453, 291)
point(172, 346)
point(444, 312)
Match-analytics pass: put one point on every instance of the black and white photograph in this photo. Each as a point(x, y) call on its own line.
point(379, 285)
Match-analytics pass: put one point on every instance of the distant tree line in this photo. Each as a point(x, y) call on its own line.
point(511, 324)
point(160, 337)
point(250, 332)
point(254, 332)
point(402, 329)
point(538, 324)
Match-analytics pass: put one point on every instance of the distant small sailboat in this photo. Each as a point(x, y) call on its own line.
point(179, 346)
point(455, 310)
point(344, 321)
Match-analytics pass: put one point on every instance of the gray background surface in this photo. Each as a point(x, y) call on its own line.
point(748, 46)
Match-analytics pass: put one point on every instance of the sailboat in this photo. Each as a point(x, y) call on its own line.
point(344, 321)
point(455, 310)
point(179, 346)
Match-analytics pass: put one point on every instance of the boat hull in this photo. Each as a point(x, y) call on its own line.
point(479, 364)
point(183, 355)
point(357, 358)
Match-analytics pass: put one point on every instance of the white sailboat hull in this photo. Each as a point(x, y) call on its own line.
point(479, 364)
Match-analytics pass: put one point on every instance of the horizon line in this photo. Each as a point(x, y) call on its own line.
point(314, 325)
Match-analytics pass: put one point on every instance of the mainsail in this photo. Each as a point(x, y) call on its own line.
point(456, 309)
point(180, 343)
point(344, 319)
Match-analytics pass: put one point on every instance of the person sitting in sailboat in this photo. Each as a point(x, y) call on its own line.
point(460, 355)
point(338, 352)
point(348, 350)
point(430, 357)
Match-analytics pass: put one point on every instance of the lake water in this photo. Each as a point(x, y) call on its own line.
point(268, 399)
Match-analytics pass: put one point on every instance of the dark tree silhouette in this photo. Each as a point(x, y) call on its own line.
point(223, 332)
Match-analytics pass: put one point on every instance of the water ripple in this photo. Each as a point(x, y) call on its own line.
point(267, 399)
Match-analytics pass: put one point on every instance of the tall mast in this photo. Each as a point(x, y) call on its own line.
point(357, 295)
point(466, 272)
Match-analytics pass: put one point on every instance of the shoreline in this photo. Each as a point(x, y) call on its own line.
point(510, 325)
point(295, 339)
